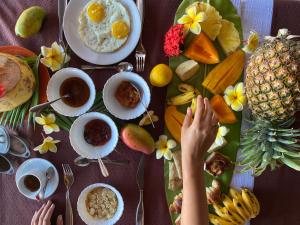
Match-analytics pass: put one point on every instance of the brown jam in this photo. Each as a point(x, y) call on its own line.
point(32, 183)
point(78, 91)
point(97, 132)
point(127, 95)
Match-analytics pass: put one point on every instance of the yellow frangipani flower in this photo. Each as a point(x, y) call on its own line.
point(146, 120)
point(48, 123)
point(220, 140)
point(252, 43)
point(49, 144)
point(192, 20)
point(54, 57)
point(164, 146)
point(235, 96)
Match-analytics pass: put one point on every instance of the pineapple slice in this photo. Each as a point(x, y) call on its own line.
point(212, 24)
point(229, 37)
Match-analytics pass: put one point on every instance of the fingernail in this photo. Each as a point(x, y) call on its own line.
point(187, 110)
point(60, 218)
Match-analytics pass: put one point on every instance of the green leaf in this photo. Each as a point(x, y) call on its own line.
point(292, 163)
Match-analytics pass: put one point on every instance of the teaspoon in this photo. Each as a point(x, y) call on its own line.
point(40, 107)
point(81, 161)
point(49, 174)
point(121, 67)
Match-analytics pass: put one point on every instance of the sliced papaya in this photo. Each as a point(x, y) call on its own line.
point(201, 49)
point(174, 120)
point(222, 110)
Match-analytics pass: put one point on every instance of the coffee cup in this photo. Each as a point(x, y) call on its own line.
point(31, 183)
point(5, 166)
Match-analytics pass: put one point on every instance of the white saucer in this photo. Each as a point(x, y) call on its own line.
point(82, 147)
point(85, 216)
point(41, 165)
point(71, 23)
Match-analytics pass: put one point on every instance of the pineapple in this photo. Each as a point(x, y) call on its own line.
point(273, 78)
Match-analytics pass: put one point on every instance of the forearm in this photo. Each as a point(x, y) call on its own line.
point(194, 206)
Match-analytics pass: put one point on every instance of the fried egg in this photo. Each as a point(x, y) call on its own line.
point(104, 25)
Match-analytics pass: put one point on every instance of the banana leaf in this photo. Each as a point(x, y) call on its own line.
point(227, 11)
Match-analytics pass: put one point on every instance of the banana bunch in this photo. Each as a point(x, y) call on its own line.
point(188, 93)
point(237, 208)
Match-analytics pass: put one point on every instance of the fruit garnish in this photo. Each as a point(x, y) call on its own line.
point(49, 144)
point(161, 75)
point(187, 69)
point(192, 19)
point(229, 37)
point(174, 120)
point(222, 110)
point(48, 123)
point(201, 49)
point(96, 12)
point(235, 96)
point(174, 39)
point(225, 73)
point(119, 29)
point(212, 23)
point(164, 146)
point(252, 42)
point(54, 57)
point(269, 144)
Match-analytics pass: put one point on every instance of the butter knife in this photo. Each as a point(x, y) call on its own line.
point(62, 4)
point(140, 183)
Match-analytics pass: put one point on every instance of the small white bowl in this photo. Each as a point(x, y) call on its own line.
point(82, 147)
point(112, 104)
point(85, 216)
point(53, 91)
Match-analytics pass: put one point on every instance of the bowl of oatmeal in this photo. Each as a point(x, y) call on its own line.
point(100, 204)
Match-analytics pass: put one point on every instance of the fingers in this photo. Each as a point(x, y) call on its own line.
point(49, 213)
point(187, 118)
point(199, 110)
point(44, 211)
point(208, 110)
point(59, 220)
point(214, 119)
point(36, 216)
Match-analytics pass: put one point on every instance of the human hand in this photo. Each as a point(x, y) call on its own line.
point(44, 214)
point(199, 134)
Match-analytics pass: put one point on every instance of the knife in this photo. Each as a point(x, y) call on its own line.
point(140, 183)
point(62, 4)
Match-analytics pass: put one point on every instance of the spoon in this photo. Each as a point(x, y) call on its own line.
point(121, 67)
point(140, 97)
point(49, 175)
point(40, 107)
point(103, 168)
point(81, 161)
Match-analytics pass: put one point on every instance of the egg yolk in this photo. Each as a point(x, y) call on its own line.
point(96, 12)
point(119, 29)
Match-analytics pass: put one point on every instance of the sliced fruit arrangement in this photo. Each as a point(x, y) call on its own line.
point(236, 209)
point(188, 93)
point(225, 73)
point(174, 120)
point(222, 110)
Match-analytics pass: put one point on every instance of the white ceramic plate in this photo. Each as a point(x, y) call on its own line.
point(41, 165)
point(112, 104)
point(82, 147)
point(85, 216)
point(53, 91)
point(70, 26)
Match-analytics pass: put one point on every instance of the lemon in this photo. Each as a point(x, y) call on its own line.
point(161, 75)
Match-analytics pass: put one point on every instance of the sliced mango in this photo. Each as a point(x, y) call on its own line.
point(222, 110)
point(174, 120)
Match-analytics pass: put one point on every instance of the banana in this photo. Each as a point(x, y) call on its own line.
point(228, 203)
point(182, 99)
point(251, 201)
point(216, 220)
point(184, 87)
point(227, 215)
point(239, 204)
point(194, 105)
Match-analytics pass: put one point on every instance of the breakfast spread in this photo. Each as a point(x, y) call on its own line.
point(101, 203)
point(127, 95)
point(104, 25)
point(78, 91)
point(97, 132)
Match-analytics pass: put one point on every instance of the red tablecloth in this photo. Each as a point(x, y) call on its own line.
point(278, 191)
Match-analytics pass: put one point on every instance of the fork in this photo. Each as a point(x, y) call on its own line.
point(68, 180)
point(140, 52)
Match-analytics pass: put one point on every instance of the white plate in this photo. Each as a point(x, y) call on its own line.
point(85, 216)
point(112, 104)
point(53, 91)
point(41, 165)
point(82, 147)
point(70, 26)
